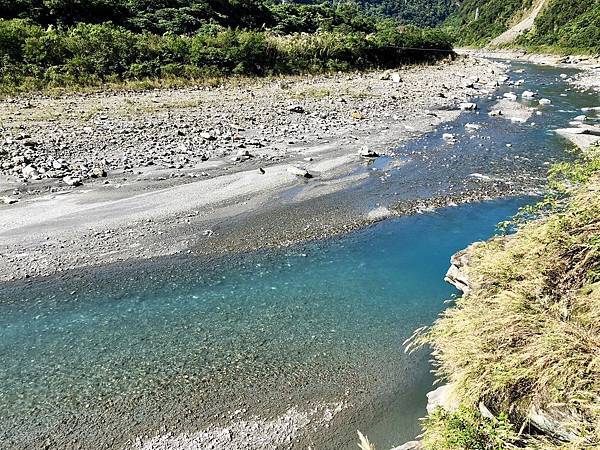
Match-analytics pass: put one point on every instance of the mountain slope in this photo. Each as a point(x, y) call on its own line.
point(524, 26)
point(567, 25)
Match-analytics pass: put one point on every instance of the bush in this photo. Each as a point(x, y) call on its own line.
point(465, 429)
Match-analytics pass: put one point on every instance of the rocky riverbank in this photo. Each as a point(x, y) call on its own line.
point(103, 177)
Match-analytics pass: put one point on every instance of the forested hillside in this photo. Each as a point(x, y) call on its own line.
point(424, 13)
point(568, 25)
point(64, 42)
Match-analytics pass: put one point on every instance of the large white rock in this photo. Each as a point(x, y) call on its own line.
point(472, 126)
point(449, 137)
point(299, 172)
point(366, 152)
point(468, 106)
point(72, 181)
point(30, 172)
point(443, 397)
point(412, 445)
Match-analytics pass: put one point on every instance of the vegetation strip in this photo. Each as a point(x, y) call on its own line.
point(42, 48)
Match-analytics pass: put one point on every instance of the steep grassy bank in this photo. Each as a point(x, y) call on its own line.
point(521, 349)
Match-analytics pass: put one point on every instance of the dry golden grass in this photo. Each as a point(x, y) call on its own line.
point(364, 443)
point(528, 333)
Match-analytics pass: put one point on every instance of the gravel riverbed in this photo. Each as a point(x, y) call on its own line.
point(96, 178)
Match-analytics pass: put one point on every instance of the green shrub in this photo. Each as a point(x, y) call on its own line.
point(466, 429)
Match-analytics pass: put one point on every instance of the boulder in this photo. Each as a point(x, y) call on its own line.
point(448, 137)
point(456, 274)
point(553, 420)
point(98, 172)
point(72, 181)
point(473, 126)
point(545, 101)
point(412, 445)
point(528, 94)
point(206, 136)
point(9, 200)
point(442, 397)
point(395, 77)
point(296, 109)
point(30, 171)
point(366, 152)
point(468, 106)
point(518, 119)
point(299, 172)
point(511, 96)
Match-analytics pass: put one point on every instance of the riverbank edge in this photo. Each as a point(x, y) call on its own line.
point(453, 408)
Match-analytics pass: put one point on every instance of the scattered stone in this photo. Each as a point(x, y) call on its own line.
point(9, 200)
point(296, 109)
point(528, 94)
point(98, 172)
point(468, 106)
point(299, 172)
point(545, 101)
point(510, 96)
point(473, 126)
point(366, 152)
point(396, 77)
point(72, 181)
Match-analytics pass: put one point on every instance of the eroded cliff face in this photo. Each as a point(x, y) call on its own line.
point(457, 274)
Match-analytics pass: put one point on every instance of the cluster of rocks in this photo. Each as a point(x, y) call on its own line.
point(28, 160)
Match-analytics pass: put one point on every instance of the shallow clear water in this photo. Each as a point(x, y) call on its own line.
point(346, 304)
point(98, 357)
point(436, 168)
